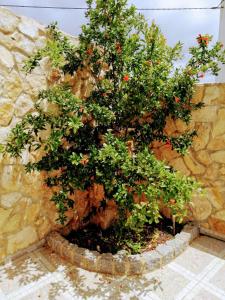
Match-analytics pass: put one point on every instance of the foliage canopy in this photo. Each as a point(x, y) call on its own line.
point(106, 137)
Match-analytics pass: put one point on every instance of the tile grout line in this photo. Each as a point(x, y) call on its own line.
point(216, 268)
point(195, 279)
point(213, 290)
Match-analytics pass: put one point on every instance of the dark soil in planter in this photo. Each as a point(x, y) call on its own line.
point(103, 241)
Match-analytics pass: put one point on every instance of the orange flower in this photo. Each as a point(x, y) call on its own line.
point(84, 161)
point(177, 99)
point(118, 48)
point(126, 77)
point(168, 144)
point(203, 39)
point(89, 51)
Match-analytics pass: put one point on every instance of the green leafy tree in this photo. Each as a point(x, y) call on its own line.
point(107, 137)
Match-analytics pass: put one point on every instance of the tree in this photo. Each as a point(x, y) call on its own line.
point(106, 138)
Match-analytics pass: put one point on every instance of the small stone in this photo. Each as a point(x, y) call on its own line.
point(203, 157)
point(6, 41)
point(206, 114)
point(10, 199)
point(79, 256)
point(220, 215)
point(202, 208)
point(91, 259)
point(135, 265)
point(177, 248)
point(120, 262)
point(212, 94)
point(12, 225)
point(36, 82)
point(193, 165)
point(13, 86)
point(4, 216)
point(182, 126)
point(6, 111)
point(218, 156)
point(23, 44)
point(179, 165)
point(219, 125)
point(6, 59)
point(191, 229)
point(11, 178)
point(215, 197)
point(44, 228)
point(30, 27)
point(211, 173)
point(198, 93)
point(8, 21)
point(202, 139)
point(167, 253)
point(151, 260)
point(31, 213)
point(23, 105)
point(22, 239)
point(106, 263)
point(181, 244)
point(217, 143)
point(4, 132)
point(19, 58)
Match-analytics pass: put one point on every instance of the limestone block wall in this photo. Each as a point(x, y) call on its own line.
point(206, 158)
point(26, 214)
point(23, 219)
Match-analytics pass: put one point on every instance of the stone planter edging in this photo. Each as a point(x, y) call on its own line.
point(122, 263)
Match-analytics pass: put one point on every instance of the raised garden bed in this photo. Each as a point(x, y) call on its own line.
point(123, 263)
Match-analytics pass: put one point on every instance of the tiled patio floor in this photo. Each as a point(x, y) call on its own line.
point(198, 273)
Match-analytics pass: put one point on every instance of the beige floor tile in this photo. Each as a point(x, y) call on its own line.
point(194, 260)
point(219, 279)
point(168, 283)
point(203, 295)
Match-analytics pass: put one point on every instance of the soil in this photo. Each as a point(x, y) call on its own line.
point(104, 241)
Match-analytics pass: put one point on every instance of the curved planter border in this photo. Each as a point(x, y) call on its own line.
point(122, 263)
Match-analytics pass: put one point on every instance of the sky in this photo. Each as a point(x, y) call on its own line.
point(181, 26)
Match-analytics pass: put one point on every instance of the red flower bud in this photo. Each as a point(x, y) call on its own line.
point(201, 75)
point(89, 51)
point(126, 77)
point(168, 144)
point(177, 99)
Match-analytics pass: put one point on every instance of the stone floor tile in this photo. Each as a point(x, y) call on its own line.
point(218, 279)
point(198, 273)
point(202, 295)
point(194, 260)
point(19, 273)
point(168, 283)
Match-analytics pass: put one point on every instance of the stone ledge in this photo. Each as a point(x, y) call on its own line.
point(24, 251)
point(122, 263)
point(212, 233)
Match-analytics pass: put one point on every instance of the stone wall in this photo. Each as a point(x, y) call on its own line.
point(26, 214)
point(206, 159)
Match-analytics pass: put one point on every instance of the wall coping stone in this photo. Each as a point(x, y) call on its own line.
point(122, 263)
